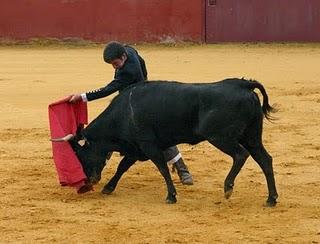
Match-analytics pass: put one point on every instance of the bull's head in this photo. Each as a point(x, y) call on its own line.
point(91, 155)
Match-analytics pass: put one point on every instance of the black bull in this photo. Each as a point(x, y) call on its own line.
point(147, 118)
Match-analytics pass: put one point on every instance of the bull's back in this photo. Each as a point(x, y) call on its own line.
point(185, 113)
point(169, 109)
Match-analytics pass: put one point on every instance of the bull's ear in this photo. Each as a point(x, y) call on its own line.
point(75, 146)
point(82, 142)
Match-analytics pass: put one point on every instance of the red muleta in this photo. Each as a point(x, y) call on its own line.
point(65, 118)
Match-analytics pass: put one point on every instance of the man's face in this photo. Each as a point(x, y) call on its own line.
point(118, 62)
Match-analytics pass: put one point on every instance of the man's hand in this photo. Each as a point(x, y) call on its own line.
point(75, 98)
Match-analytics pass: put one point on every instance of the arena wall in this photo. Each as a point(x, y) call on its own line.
point(103, 20)
point(262, 20)
point(162, 20)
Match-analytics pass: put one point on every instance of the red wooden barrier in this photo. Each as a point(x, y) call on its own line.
point(262, 20)
point(162, 20)
point(103, 20)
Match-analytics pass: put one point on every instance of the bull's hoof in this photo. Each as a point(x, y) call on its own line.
point(107, 190)
point(87, 187)
point(271, 202)
point(171, 199)
point(228, 189)
point(228, 193)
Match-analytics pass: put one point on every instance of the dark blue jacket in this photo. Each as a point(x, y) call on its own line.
point(134, 70)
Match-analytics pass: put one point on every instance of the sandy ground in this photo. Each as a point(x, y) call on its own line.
point(35, 209)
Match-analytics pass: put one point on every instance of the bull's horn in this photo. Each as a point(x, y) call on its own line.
point(65, 138)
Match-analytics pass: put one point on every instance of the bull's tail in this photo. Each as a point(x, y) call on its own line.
point(266, 107)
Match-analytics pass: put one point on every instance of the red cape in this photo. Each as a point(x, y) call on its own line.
point(65, 118)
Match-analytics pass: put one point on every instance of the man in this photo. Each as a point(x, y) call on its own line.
point(131, 68)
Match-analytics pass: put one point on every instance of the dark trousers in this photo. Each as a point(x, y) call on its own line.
point(171, 154)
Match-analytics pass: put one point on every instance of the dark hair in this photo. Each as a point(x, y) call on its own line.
point(112, 51)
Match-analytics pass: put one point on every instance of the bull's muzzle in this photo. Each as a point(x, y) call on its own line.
point(62, 139)
point(94, 180)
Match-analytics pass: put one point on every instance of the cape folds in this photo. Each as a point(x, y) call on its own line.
point(65, 118)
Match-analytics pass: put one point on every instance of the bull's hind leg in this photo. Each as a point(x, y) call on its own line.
point(239, 156)
point(238, 161)
point(262, 157)
point(156, 155)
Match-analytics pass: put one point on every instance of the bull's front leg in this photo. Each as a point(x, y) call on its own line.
point(124, 165)
point(156, 155)
point(164, 170)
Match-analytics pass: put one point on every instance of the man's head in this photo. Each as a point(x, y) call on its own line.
point(115, 54)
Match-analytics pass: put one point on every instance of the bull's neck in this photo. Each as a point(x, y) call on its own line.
point(100, 128)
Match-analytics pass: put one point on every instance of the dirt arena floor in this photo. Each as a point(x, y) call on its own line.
point(34, 208)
